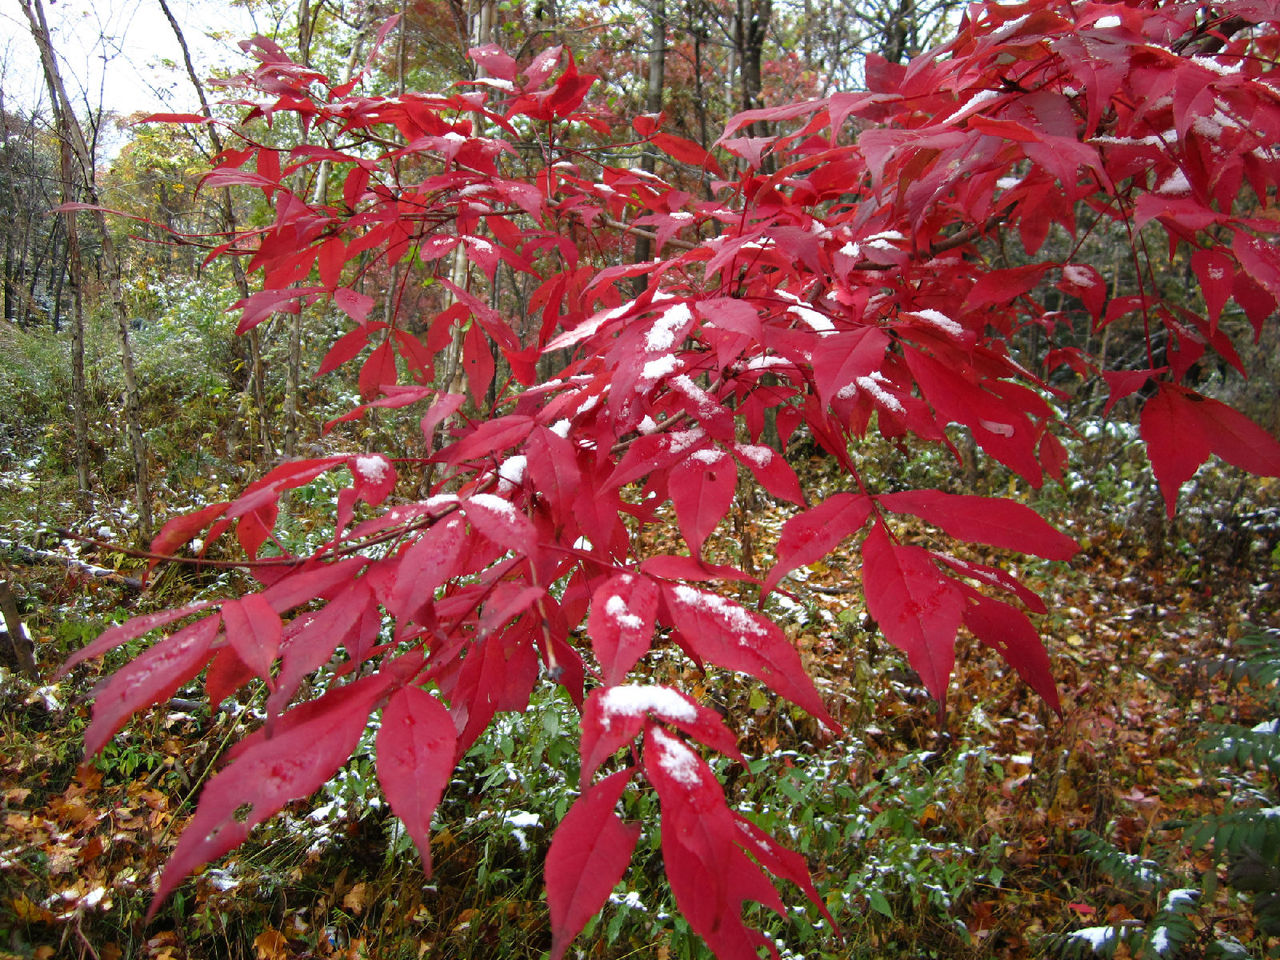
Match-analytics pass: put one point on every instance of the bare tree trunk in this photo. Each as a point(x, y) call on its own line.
point(652, 104)
point(79, 395)
point(70, 130)
point(255, 385)
point(22, 648)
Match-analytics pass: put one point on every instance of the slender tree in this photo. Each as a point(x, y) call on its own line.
point(73, 135)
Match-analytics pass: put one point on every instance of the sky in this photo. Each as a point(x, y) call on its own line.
point(112, 52)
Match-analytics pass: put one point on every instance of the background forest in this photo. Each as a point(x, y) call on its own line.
point(1139, 821)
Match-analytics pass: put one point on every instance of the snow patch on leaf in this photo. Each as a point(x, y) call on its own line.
point(678, 761)
point(634, 699)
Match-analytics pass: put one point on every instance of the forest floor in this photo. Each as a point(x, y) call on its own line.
point(995, 830)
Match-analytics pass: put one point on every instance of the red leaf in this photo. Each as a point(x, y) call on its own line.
point(501, 522)
point(226, 674)
point(728, 635)
point(702, 488)
point(1007, 630)
point(417, 744)
point(1216, 272)
point(809, 536)
point(266, 776)
point(354, 304)
point(710, 875)
point(379, 368)
point(477, 360)
point(686, 151)
point(990, 520)
point(621, 623)
point(669, 566)
point(589, 853)
point(1259, 260)
point(347, 347)
point(1181, 428)
point(614, 715)
point(1176, 444)
point(1002, 286)
point(351, 619)
point(771, 470)
point(494, 60)
point(374, 477)
point(180, 530)
point(253, 630)
point(431, 560)
point(150, 677)
point(1125, 383)
point(917, 607)
point(131, 629)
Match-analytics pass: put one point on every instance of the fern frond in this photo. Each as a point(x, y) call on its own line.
point(1125, 869)
point(1229, 744)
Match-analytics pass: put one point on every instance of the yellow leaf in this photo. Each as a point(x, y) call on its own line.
point(354, 900)
point(270, 944)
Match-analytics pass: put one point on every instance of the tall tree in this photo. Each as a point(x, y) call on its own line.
point(854, 285)
point(73, 135)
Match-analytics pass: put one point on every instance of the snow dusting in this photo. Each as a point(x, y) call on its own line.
point(1096, 937)
point(616, 607)
point(813, 318)
point(981, 97)
point(657, 369)
point(662, 335)
point(706, 456)
point(512, 470)
point(871, 384)
point(372, 467)
point(491, 502)
point(682, 440)
point(679, 762)
point(1175, 186)
point(735, 616)
point(634, 699)
point(1080, 276)
point(938, 319)
point(1104, 23)
point(706, 405)
point(761, 456)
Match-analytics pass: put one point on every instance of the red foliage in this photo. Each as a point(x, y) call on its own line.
point(841, 282)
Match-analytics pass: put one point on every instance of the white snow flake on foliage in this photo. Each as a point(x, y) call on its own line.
point(937, 319)
point(1219, 68)
point(372, 467)
point(706, 404)
point(1096, 937)
point(616, 607)
point(1080, 276)
point(978, 99)
point(872, 385)
point(680, 763)
point(633, 699)
point(657, 369)
point(512, 469)
point(1103, 23)
point(759, 455)
point(813, 318)
point(495, 503)
point(737, 618)
point(682, 440)
point(1160, 940)
point(1176, 186)
point(662, 335)
point(708, 457)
